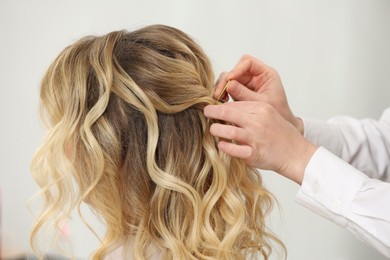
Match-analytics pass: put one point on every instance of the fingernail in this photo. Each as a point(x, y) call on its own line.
point(225, 97)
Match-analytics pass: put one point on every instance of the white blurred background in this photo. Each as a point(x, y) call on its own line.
point(333, 57)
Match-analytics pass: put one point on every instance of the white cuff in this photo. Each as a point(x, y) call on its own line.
point(331, 183)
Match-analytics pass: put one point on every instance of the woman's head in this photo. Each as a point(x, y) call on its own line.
point(127, 136)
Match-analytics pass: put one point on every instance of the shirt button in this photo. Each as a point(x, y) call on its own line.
point(336, 203)
point(315, 186)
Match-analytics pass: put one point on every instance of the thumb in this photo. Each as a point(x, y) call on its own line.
point(241, 93)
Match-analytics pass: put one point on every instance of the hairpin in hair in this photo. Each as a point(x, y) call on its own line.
point(223, 90)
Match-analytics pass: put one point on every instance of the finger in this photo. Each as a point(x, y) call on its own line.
point(230, 132)
point(250, 107)
point(236, 150)
point(223, 93)
point(241, 93)
point(246, 68)
point(221, 77)
point(220, 84)
point(228, 114)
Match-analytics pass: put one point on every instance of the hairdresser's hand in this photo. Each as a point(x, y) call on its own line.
point(252, 80)
point(262, 137)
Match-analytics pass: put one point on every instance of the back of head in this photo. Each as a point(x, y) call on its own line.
point(127, 136)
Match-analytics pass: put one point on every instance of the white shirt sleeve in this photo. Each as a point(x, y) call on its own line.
point(365, 144)
point(347, 197)
point(346, 194)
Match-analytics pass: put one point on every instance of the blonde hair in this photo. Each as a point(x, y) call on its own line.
point(127, 135)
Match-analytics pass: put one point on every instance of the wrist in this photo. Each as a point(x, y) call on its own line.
point(297, 166)
point(299, 125)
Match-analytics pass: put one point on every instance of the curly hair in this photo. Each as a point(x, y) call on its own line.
point(127, 136)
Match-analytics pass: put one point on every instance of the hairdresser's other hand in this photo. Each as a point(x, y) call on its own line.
point(252, 80)
point(262, 137)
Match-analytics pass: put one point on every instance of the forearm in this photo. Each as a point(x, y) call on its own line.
point(363, 143)
point(325, 134)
